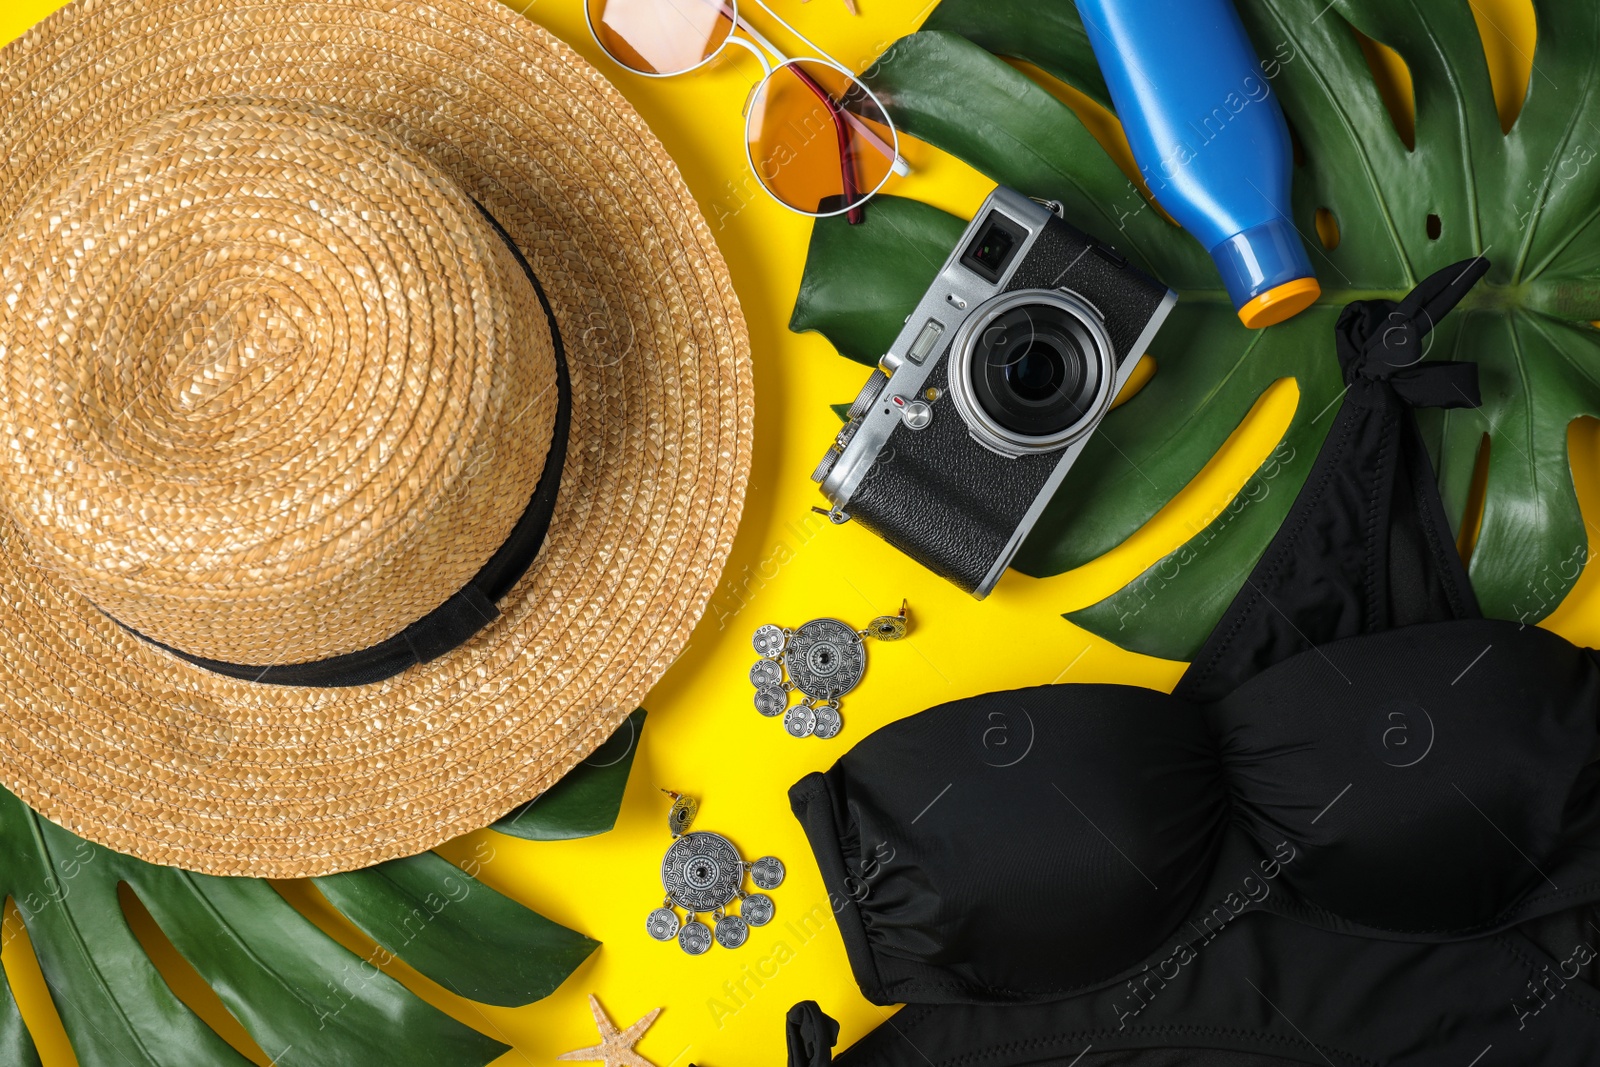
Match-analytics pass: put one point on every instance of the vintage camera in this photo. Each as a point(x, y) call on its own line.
point(983, 402)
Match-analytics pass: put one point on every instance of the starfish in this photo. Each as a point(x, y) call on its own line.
point(616, 1046)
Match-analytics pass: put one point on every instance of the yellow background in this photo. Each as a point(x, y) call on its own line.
point(725, 1009)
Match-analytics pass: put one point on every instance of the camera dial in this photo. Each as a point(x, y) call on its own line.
point(1031, 370)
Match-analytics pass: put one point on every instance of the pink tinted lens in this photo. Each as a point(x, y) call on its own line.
point(660, 36)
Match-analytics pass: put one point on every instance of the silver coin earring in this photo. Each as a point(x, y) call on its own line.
point(702, 874)
point(824, 659)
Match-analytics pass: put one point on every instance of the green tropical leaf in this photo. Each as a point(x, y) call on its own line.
point(303, 998)
point(585, 802)
point(457, 931)
point(1049, 36)
point(847, 262)
point(1529, 200)
point(16, 1047)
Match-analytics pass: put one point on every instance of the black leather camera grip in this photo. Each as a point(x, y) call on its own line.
point(946, 502)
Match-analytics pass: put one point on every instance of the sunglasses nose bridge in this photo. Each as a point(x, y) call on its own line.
point(739, 38)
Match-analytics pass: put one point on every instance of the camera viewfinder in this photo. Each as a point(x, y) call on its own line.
point(991, 251)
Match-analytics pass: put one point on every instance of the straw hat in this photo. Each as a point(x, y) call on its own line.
point(375, 416)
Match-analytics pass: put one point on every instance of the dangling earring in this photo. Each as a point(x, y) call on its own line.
point(702, 874)
point(824, 659)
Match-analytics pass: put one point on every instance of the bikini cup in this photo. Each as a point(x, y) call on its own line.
point(1354, 748)
point(1136, 818)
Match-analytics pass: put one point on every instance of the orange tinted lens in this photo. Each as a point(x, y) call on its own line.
point(660, 36)
point(819, 143)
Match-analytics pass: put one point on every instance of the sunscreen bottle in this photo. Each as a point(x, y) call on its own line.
point(1210, 140)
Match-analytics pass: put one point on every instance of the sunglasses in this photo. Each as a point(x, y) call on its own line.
point(816, 138)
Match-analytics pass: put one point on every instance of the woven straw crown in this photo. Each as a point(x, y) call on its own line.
point(275, 384)
point(274, 388)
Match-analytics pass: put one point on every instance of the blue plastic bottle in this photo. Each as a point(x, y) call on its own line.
point(1210, 140)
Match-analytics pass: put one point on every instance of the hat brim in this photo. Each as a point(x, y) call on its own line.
point(129, 746)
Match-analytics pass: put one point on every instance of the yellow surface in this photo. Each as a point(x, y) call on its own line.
point(1279, 303)
point(725, 1009)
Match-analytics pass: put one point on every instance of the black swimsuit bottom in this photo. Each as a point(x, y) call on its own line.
point(1364, 829)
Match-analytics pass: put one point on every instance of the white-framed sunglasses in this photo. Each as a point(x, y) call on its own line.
point(816, 138)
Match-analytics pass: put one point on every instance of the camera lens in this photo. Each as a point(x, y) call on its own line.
point(1036, 369)
point(1037, 374)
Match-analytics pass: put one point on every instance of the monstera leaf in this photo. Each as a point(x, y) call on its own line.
point(586, 800)
point(15, 1044)
point(303, 998)
point(1527, 199)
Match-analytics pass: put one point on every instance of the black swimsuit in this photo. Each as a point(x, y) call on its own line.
point(1364, 829)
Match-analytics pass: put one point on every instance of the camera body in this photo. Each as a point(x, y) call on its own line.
point(984, 401)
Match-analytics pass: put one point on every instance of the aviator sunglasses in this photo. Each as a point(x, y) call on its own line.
point(817, 139)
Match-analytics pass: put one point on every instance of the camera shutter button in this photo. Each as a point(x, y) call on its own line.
point(916, 414)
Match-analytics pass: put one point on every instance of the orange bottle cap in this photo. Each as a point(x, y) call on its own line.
point(1279, 303)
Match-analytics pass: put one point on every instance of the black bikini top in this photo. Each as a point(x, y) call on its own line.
point(1355, 748)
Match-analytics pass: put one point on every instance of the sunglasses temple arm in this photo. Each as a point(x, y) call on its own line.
point(741, 23)
point(899, 166)
point(806, 40)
